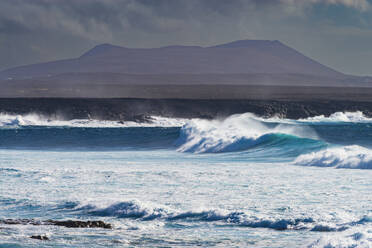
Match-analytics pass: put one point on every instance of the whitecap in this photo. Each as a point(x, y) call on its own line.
point(350, 157)
point(356, 237)
point(354, 117)
point(9, 121)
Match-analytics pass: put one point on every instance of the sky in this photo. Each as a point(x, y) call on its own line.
point(336, 33)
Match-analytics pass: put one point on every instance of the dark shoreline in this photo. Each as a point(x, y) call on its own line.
point(139, 109)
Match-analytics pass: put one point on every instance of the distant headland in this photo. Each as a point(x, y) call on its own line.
point(264, 71)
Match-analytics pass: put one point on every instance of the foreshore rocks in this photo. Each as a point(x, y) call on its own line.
point(80, 224)
point(39, 237)
point(64, 223)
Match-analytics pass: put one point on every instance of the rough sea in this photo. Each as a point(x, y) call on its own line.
point(241, 181)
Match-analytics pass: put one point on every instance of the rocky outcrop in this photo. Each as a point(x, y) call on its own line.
point(80, 224)
point(39, 237)
point(64, 223)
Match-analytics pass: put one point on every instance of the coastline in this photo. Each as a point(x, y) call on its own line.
point(140, 109)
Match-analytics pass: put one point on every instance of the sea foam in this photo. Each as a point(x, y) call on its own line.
point(354, 117)
point(337, 117)
point(12, 121)
point(354, 237)
point(148, 212)
point(33, 119)
point(351, 157)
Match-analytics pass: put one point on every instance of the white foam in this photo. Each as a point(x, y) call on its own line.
point(7, 120)
point(337, 117)
point(353, 157)
point(360, 237)
point(11, 121)
point(354, 117)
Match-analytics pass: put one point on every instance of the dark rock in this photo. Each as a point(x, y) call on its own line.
point(39, 237)
point(80, 224)
point(139, 110)
point(21, 222)
point(64, 223)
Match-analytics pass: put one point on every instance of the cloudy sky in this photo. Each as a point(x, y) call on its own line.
point(337, 33)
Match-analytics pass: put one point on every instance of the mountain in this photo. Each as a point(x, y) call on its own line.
point(245, 69)
point(239, 57)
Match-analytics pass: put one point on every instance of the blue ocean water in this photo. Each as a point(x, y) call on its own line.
point(243, 181)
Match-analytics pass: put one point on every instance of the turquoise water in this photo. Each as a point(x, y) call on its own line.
point(239, 182)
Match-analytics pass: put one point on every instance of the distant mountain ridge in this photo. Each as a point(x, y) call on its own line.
point(238, 57)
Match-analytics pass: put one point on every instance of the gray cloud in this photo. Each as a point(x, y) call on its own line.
point(42, 30)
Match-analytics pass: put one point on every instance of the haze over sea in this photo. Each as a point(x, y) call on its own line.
point(236, 182)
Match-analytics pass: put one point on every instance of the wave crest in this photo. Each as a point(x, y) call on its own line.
point(33, 119)
point(128, 210)
point(29, 120)
point(354, 117)
point(351, 157)
point(146, 212)
point(236, 133)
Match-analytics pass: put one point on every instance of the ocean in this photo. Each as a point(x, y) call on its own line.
point(241, 181)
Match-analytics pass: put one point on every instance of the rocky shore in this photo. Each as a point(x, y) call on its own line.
point(127, 109)
point(64, 223)
point(61, 223)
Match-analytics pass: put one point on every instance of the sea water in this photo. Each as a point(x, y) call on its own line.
point(242, 181)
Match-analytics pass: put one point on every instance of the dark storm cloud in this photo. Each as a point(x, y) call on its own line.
point(11, 27)
point(40, 30)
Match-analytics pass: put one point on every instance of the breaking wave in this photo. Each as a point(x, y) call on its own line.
point(32, 120)
point(337, 117)
point(353, 117)
point(351, 157)
point(239, 133)
point(345, 143)
point(143, 212)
